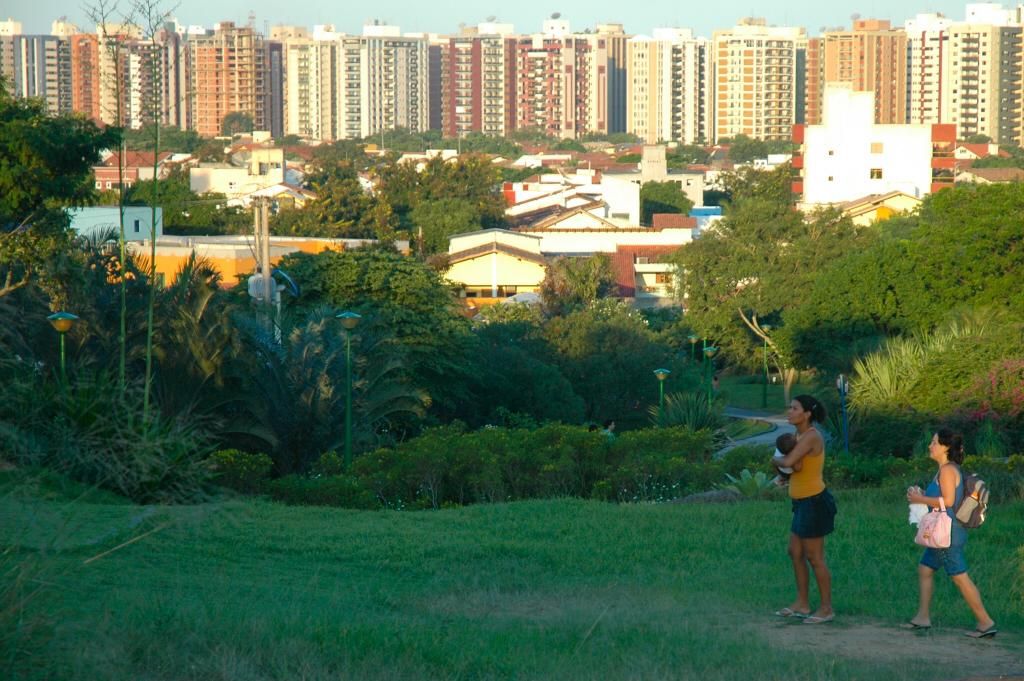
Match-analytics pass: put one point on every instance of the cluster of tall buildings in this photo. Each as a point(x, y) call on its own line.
point(752, 79)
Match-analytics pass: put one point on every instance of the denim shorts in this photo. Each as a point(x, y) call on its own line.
point(951, 559)
point(814, 516)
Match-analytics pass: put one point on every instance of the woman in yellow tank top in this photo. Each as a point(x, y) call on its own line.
point(814, 511)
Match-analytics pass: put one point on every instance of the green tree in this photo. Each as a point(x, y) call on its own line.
point(342, 209)
point(436, 220)
point(608, 353)
point(171, 138)
point(744, 149)
point(963, 238)
point(473, 180)
point(516, 369)
point(45, 167)
point(662, 197)
point(186, 212)
point(686, 154)
point(235, 123)
point(301, 382)
point(573, 283)
point(405, 296)
point(760, 259)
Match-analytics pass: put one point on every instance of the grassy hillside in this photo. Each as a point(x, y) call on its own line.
point(536, 590)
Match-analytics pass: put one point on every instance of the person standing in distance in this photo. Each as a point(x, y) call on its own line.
point(814, 511)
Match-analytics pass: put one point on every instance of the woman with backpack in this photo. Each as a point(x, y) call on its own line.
point(814, 511)
point(946, 450)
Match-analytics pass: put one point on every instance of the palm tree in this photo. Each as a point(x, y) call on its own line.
point(299, 382)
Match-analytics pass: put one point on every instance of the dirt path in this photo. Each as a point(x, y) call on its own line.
point(951, 654)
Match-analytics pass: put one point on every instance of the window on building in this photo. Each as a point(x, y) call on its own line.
point(876, 147)
point(662, 278)
point(831, 152)
point(876, 173)
point(137, 226)
point(830, 178)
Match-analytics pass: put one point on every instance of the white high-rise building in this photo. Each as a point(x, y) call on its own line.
point(667, 84)
point(928, 65)
point(311, 84)
point(383, 82)
point(968, 73)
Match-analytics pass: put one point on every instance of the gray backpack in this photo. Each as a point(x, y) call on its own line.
point(974, 506)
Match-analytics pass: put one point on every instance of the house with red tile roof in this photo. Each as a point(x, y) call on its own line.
point(138, 166)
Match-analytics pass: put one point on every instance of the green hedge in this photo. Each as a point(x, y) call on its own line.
point(449, 467)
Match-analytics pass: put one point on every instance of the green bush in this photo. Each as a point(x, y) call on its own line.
point(240, 470)
point(754, 457)
point(97, 435)
point(329, 464)
point(338, 490)
point(751, 485)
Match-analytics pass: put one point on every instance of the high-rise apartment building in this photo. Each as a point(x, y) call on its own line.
point(311, 85)
point(927, 68)
point(616, 48)
point(968, 73)
point(756, 79)
point(384, 82)
point(562, 81)
point(667, 81)
point(228, 75)
point(37, 66)
point(478, 79)
point(985, 92)
point(872, 57)
point(85, 75)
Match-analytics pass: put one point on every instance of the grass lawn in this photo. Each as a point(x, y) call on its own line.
point(742, 393)
point(561, 589)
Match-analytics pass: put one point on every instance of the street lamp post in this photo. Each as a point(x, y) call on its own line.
point(764, 388)
point(843, 386)
point(709, 353)
point(62, 322)
point(350, 320)
point(661, 374)
point(693, 347)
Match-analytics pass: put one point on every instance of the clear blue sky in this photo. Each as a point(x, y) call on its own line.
point(444, 16)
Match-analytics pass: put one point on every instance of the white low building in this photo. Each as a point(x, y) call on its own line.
point(265, 168)
point(849, 156)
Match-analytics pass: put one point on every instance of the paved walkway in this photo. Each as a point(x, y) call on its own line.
point(778, 422)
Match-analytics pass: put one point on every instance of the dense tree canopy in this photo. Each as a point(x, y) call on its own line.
point(573, 283)
point(402, 295)
point(662, 197)
point(760, 259)
point(960, 250)
point(45, 166)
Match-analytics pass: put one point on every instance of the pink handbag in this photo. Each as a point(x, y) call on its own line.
point(935, 528)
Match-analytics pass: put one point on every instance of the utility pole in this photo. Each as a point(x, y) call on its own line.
point(268, 280)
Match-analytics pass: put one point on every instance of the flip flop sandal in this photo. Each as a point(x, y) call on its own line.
point(814, 619)
point(789, 612)
point(987, 633)
point(913, 626)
